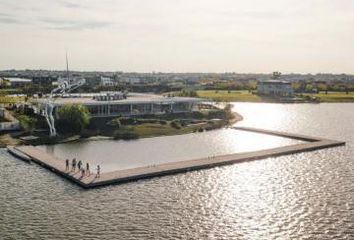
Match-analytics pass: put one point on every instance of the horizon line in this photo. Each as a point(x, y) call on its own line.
point(187, 72)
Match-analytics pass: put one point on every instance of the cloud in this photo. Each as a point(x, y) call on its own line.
point(9, 19)
point(73, 5)
point(64, 24)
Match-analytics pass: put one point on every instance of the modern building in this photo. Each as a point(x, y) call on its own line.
point(17, 82)
point(107, 104)
point(106, 82)
point(275, 88)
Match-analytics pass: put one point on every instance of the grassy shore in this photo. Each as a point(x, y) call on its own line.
point(246, 96)
point(333, 96)
point(6, 100)
point(174, 124)
point(155, 129)
point(232, 96)
point(130, 128)
point(7, 139)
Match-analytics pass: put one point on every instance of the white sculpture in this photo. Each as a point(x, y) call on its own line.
point(67, 85)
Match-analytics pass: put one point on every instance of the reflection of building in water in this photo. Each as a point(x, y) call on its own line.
point(275, 88)
point(119, 104)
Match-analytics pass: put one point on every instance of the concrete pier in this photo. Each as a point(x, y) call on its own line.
point(58, 165)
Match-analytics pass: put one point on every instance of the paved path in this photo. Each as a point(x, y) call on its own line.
point(58, 165)
point(295, 136)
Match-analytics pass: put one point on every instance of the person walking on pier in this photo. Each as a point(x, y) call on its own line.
point(67, 164)
point(98, 171)
point(73, 164)
point(79, 165)
point(87, 169)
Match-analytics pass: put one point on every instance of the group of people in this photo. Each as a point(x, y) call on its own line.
point(79, 165)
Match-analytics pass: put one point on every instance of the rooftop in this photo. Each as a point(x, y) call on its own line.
point(135, 98)
point(15, 79)
point(275, 82)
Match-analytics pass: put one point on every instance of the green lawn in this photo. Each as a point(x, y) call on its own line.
point(245, 96)
point(6, 91)
point(333, 96)
point(232, 96)
point(4, 99)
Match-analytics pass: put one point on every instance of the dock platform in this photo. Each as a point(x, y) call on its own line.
point(57, 165)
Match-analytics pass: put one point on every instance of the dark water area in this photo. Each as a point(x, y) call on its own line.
point(301, 196)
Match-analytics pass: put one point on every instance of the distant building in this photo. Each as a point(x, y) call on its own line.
point(17, 82)
point(275, 88)
point(130, 80)
point(106, 82)
point(70, 80)
point(107, 104)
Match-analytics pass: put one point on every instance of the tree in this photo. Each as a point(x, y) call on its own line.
point(188, 93)
point(27, 123)
point(228, 112)
point(276, 75)
point(73, 118)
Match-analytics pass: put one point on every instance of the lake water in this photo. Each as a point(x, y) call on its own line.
point(117, 155)
point(308, 195)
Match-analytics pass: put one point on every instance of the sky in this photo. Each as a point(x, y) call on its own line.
point(248, 36)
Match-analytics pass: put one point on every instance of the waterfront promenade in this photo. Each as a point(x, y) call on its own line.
point(58, 165)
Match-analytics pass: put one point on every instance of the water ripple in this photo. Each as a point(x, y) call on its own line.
point(303, 196)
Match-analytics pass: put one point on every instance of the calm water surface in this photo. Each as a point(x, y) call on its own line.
point(303, 196)
point(116, 155)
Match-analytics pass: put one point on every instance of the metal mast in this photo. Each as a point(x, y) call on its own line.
point(67, 67)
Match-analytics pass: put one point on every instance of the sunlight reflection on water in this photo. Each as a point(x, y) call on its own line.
point(301, 196)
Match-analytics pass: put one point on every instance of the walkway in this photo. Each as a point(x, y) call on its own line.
point(58, 165)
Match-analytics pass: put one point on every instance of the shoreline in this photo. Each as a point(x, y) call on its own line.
point(45, 140)
point(251, 96)
point(237, 118)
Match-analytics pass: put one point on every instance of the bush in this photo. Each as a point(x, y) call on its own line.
point(200, 130)
point(26, 122)
point(183, 123)
point(73, 118)
point(209, 128)
point(162, 122)
point(127, 120)
point(187, 93)
point(115, 123)
point(175, 124)
point(228, 112)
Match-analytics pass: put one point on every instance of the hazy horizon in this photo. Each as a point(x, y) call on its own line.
point(179, 36)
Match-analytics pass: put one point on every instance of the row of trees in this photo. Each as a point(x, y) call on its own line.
point(310, 86)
